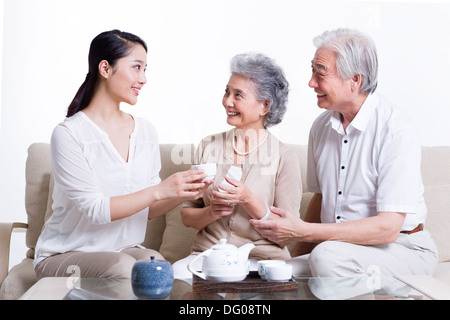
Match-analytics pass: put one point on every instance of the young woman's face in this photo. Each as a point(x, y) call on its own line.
point(128, 76)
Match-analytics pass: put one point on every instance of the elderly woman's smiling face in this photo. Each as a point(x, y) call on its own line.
point(243, 110)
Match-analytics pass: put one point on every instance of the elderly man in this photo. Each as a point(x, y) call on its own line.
point(364, 155)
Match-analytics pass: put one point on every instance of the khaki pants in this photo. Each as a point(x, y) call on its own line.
point(94, 264)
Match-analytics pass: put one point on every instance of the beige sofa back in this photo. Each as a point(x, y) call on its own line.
point(436, 180)
point(170, 237)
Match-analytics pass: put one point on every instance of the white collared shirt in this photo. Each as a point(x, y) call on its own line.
point(373, 166)
point(87, 171)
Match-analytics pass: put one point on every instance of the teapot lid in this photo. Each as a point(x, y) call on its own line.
point(222, 245)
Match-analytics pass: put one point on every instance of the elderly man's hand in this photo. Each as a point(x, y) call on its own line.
point(285, 229)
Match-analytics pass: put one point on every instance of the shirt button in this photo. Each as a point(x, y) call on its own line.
point(345, 141)
point(338, 217)
point(340, 192)
point(343, 167)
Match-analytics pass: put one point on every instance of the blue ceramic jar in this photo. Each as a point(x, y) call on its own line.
point(152, 279)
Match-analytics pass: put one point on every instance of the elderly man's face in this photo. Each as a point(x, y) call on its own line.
point(333, 92)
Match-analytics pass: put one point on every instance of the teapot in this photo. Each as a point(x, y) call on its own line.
point(224, 262)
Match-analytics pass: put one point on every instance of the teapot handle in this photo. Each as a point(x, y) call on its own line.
point(190, 265)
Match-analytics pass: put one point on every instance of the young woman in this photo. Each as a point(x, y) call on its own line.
point(105, 165)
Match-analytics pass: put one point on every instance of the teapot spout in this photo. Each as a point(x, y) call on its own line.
point(244, 250)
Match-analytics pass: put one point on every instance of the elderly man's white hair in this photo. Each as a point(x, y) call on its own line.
point(356, 54)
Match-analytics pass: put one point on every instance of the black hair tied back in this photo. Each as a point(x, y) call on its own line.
point(110, 46)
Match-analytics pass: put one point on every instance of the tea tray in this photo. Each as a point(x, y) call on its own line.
point(253, 283)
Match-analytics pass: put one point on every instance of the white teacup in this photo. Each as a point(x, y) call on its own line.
point(234, 173)
point(210, 170)
point(263, 264)
point(278, 272)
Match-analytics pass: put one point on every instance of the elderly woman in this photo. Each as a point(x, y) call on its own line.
point(254, 169)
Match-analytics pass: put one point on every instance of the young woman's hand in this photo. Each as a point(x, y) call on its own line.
point(201, 191)
point(184, 184)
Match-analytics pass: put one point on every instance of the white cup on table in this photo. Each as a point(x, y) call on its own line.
point(263, 264)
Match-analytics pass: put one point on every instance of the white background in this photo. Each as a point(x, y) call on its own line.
point(46, 42)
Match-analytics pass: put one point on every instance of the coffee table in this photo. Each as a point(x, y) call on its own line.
point(400, 288)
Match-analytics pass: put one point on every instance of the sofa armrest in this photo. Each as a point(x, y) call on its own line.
point(6, 230)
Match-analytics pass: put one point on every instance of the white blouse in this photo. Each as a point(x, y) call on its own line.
point(88, 170)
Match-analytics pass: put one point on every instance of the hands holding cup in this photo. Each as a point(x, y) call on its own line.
point(232, 192)
point(190, 184)
point(209, 169)
point(219, 207)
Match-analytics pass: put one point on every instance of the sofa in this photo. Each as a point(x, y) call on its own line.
point(170, 237)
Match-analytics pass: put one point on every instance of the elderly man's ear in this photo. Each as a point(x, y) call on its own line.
point(356, 82)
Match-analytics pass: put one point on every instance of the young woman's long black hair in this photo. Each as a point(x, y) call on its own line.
point(110, 46)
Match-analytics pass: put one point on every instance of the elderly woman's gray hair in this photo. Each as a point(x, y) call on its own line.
point(269, 80)
point(356, 54)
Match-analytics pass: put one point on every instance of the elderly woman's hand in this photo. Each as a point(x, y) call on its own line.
point(238, 194)
point(220, 209)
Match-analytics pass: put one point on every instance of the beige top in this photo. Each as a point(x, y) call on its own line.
point(272, 174)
